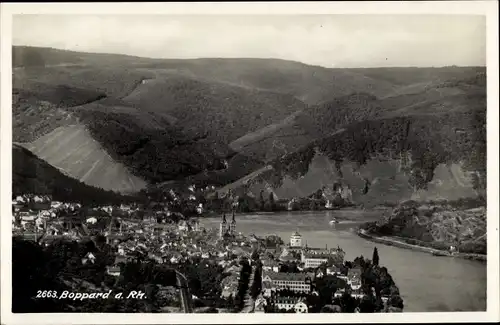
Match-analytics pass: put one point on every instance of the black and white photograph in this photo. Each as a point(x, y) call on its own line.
point(303, 163)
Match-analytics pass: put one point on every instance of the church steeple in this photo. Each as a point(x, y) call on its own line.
point(223, 226)
point(232, 225)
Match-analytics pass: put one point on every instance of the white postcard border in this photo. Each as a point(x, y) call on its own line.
point(487, 8)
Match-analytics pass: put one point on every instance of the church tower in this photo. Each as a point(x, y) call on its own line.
point(223, 226)
point(232, 225)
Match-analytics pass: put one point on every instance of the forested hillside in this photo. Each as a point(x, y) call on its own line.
point(217, 121)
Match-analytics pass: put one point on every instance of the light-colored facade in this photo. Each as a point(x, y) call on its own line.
point(260, 304)
point(295, 240)
point(314, 262)
point(313, 258)
point(289, 303)
point(298, 282)
point(355, 284)
point(301, 307)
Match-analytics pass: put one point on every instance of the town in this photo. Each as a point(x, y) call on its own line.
point(224, 270)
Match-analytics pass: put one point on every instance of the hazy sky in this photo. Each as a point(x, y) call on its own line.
point(327, 40)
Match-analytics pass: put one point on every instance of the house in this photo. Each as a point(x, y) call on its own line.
point(354, 273)
point(319, 273)
point(298, 282)
point(339, 293)
point(287, 255)
point(291, 204)
point(120, 259)
point(333, 270)
point(268, 289)
point(55, 204)
point(313, 260)
point(355, 284)
point(260, 304)
point(357, 294)
point(183, 225)
point(113, 270)
point(91, 220)
point(288, 303)
point(121, 250)
point(301, 307)
point(88, 258)
point(270, 265)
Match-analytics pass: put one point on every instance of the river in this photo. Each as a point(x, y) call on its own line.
point(426, 282)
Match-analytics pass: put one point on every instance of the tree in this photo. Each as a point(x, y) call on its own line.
point(243, 284)
point(396, 301)
point(368, 304)
point(375, 257)
point(255, 255)
point(272, 204)
point(262, 202)
point(256, 286)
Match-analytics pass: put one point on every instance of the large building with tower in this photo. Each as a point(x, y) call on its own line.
point(227, 228)
point(296, 240)
point(309, 256)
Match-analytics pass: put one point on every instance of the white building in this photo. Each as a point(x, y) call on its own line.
point(301, 307)
point(260, 304)
point(288, 303)
point(295, 240)
point(312, 258)
point(182, 225)
point(339, 293)
point(298, 282)
point(355, 284)
point(199, 208)
point(357, 294)
point(89, 257)
point(91, 220)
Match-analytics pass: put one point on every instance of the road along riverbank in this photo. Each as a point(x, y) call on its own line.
point(391, 241)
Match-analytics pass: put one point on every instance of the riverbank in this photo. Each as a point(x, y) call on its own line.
point(401, 244)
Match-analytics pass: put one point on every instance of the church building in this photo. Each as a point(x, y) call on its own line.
point(227, 229)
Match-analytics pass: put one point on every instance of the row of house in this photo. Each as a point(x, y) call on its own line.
point(280, 303)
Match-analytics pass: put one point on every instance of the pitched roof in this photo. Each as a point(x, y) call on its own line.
point(282, 276)
point(267, 285)
point(113, 269)
point(318, 255)
point(287, 300)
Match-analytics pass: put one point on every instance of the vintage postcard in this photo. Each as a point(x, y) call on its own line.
point(162, 161)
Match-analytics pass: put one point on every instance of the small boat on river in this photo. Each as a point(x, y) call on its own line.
point(333, 222)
